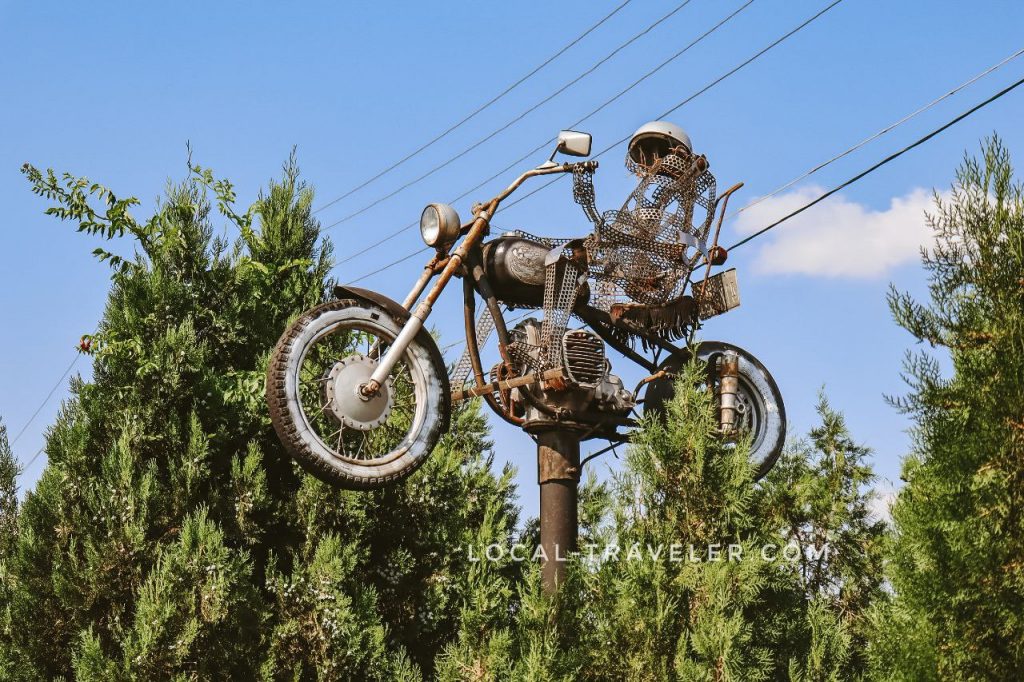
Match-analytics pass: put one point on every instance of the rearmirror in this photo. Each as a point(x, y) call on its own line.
point(573, 143)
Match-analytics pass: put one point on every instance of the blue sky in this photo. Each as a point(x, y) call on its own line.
point(114, 91)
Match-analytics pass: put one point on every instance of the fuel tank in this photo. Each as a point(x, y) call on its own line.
point(515, 267)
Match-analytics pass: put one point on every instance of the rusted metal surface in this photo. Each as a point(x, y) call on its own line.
point(718, 294)
point(728, 386)
point(472, 343)
point(547, 376)
point(429, 270)
point(558, 473)
point(660, 374)
point(503, 408)
point(555, 464)
point(717, 255)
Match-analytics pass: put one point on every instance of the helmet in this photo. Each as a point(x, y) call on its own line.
point(654, 140)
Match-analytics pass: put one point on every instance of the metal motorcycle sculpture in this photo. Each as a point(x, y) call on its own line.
point(358, 390)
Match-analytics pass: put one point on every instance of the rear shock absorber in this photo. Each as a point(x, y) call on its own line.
point(728, 385)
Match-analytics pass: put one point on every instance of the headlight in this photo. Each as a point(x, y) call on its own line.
point(439, 225)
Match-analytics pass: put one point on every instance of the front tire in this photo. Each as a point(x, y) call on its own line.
point(312, 380)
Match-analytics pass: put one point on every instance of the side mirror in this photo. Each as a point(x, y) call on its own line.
point(574, 143)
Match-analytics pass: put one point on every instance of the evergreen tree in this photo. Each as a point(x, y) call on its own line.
point(9, 471)
point(170, 537)
point(8, 538)
point(818, 496)
point(723, 598)
point(957, 563)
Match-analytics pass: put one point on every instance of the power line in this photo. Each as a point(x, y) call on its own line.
point(478, 109)
point(462, 342)
point(33, 460)
point(878, 165)
point(548, 142)
point(879, 134)
point(689, 99)
point(388, 266)
point(47, 398)
point(510, 123)
point(839, 187)
point(727, 74)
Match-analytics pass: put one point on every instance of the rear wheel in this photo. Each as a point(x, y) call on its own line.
point(760, 411)
point(320, 414)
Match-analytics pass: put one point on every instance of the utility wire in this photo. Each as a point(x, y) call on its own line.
point(49, 395)
point(510, 123)
point(674, 108)
point(687, 100)
point(878, 165)
point(879, 134)
point(843, 185)
point(478, 109)
point(388, 266)
point(548, 142)
point(462, 342)
point(33, 460)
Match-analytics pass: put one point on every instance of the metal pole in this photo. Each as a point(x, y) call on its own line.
point(558, 473)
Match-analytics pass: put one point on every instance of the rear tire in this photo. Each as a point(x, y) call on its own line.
point(759, 394)
point(398, 439)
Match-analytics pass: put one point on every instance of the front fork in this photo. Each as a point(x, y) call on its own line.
point(415, 323)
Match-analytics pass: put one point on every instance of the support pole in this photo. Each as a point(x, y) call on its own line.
point(558, 473)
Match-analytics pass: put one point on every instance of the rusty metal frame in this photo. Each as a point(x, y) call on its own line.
point(517, 382)
point(716, 254)
point(444, 267)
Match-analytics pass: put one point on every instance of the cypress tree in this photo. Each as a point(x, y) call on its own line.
point(9, 470)
point(957, 563)
point(170, 536)
point(8, 538)
point(723, 598)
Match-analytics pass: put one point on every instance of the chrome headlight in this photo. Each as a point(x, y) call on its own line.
point(439, 225)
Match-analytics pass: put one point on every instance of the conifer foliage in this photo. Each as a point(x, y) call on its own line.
point(957, 564)
point(170, 537)
point(690, 571)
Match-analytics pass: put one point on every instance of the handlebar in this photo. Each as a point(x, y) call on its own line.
point(586, 166)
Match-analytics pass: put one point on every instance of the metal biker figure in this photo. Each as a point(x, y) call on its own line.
point(359, 393)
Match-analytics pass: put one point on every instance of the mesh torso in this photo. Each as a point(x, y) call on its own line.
point(644, 252)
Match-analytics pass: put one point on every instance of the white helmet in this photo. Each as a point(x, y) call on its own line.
point(654, 140)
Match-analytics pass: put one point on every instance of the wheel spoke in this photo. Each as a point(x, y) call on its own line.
point(321, 380)
point(320, 411)
point(330, 349)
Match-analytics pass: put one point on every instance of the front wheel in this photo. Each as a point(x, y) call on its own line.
point(760, 410)
point(320, 414)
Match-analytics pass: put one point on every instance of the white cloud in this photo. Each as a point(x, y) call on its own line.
point(880, 503)
point(838, 237)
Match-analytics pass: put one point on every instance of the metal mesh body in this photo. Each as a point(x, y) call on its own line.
point(644, 252)
point(637, 261)
point(484, 326)
point(561, 285)
point(562, 281)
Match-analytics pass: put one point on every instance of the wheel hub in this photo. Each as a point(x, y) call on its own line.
point(345, 400)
